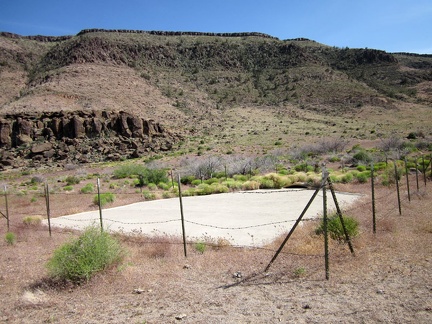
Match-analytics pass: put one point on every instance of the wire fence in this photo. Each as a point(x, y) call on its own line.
point(13, 209)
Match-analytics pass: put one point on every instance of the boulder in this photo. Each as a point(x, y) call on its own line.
point(41, 148)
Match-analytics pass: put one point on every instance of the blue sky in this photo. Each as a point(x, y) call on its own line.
point(390, 25)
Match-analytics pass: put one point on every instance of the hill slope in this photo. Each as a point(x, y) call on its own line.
point(218, 85)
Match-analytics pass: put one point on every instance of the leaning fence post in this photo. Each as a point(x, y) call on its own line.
point(7, 209)
point(47, 202)
point(417, 178)
point(99, 203)
point(293, 228)
point(182, 217)
point(339, 212)
point(397, 188)
point(407, 180)
point(373, 199)
point(424, 170)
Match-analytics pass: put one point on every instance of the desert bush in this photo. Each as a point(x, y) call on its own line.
point(347, 178)
point(205, 189)
point(37, 179)
point(68, 188)
point(88, 188)
point(72, 180)
point(264, 183)
point(152, 186)
point(240, 177)
point(362, 156)
point(233, 184)
point(363, 177)
point(149, 195)
point(335, 229)
point(196, 182)
point(189, 192)
point(211, 181)
point(219, 188)
point(187, 179)
point(200, 247)
point(163, 186)
point(251, 185)
point(10, 238)
point(32, 220)
point(361, 168)
point(105, 198)
point(128, 171)
point(80, 259)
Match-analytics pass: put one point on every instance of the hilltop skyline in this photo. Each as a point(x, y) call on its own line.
point(393, 26)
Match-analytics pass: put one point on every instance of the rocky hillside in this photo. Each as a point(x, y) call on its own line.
point(188, 81)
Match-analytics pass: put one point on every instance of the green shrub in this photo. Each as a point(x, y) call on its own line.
point(152, 186)
point(105, 198)
point(240, 177)
point(219, 188)
point(128, 171)
point(189, 192)
point(164, 186)
point(335, 229)
point(362, 156)
point(10, 238)
point(167, 195)
point(265, 183)
point(200, 247)
point(149, 195)
point(88, 188)
point(68, 188)
point(361, 168)
point(233, 184)
point(363, 177)
point(79, 260)
point(347, 178)
point(187, 179)
point(334, 178)
point(211, 181)
point(196, 182)
point(72, 180)
point(204, 189)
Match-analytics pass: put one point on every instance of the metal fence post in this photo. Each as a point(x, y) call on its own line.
point(325, 225)
point(397, 188)
point(373, 199)
point(407, 180)
point(47, 202)
point(7, 209)
point(182, 217)
point(99, 203)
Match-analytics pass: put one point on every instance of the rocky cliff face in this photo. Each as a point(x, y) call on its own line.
point(78, 137)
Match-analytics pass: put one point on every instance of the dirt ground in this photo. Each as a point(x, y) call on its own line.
point(387, 281)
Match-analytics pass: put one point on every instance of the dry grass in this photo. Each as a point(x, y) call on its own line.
point(156, 283)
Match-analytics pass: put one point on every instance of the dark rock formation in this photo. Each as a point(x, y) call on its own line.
point(174, 33)
point(78, 137)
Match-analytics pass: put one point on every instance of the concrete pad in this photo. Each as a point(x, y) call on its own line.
point(246, 218)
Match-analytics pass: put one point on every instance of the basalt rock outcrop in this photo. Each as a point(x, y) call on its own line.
point(58, 138)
